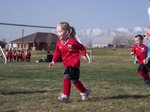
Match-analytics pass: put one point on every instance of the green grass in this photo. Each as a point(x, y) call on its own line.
point(112, 78)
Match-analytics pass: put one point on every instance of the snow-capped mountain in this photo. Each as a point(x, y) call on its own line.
point(100, 36)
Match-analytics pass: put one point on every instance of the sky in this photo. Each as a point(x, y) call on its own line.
point(82, 14)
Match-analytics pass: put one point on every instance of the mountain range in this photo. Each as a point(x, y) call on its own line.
point(100, 36)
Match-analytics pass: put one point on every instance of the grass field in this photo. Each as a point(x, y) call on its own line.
point(112, 78)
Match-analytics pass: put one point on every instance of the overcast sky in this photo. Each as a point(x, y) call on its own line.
point(82, 14)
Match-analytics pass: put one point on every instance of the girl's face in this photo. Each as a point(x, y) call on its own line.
point(138, 41)
point(62, 34)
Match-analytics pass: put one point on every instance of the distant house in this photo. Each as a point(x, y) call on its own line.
point(2, 44)
point(36, 41)
point(100, 46)
point(103, 45)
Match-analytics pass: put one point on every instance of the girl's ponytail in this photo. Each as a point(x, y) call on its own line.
point(72, 32)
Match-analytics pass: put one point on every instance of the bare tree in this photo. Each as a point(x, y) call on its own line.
point(123, 41)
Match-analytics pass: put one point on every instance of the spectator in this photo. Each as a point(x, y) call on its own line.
point(49, 57)
point(28, 55)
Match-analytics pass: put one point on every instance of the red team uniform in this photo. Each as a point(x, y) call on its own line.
point(70, 52)
point(68, 49)
point(141, 54)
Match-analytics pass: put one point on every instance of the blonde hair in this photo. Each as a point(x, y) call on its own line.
point(66, 27)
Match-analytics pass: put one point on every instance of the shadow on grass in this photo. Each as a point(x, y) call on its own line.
point(10, 111)
point(127, 96)
point(118, 97)
point(25, 92)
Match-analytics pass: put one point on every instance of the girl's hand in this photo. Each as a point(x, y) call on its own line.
point(85, 58)
point(50, 64)
point(145, 61)
point(132, 55)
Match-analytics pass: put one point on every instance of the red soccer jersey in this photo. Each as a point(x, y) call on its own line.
point(70, 52)
point(140, 52)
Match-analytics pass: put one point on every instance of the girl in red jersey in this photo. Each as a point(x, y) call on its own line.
point(69, 49)
point(27, 55)
point(19, 57)
point(14, 55)
point(140, 51)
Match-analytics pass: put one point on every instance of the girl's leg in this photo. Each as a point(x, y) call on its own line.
point(64, 97)
point(143, 71)
point(67, 86)
point(78, 84)
point(145, 77)
point(83, 91)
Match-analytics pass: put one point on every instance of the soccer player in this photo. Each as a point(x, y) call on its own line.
point(69, 49)
point(139, 50)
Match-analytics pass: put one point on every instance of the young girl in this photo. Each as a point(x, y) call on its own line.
point(140, 50)
point(69, 49)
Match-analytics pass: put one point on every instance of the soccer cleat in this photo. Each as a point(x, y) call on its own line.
point(84, 96)
point(63, 98)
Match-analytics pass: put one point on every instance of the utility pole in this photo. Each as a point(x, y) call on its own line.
point(22, 37)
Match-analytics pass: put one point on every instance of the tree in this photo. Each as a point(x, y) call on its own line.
point(123, 41)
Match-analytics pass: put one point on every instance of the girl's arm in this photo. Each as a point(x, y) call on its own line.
point(83, 52)
point(56, 56)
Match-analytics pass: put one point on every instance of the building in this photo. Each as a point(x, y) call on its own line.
point(36, 41)
point(103, 45)
point(2, 44)
point(99, 46)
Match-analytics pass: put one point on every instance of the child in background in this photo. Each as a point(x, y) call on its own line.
point(22, 56)
point(27, 55)
point(19, 57)
point(49, 57)
point(140, 51)
point(69, 49)
point(14, 55)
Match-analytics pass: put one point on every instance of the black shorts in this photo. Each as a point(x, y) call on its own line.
point(143, 68)
point(148, 64)
point(74, 73)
